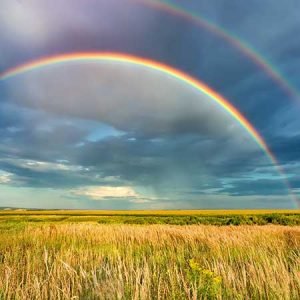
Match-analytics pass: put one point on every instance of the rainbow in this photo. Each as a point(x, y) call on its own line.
point(154, 65)
point(229, 37)
point(123, 58)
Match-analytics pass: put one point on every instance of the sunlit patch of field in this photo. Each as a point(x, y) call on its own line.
point(97, 261)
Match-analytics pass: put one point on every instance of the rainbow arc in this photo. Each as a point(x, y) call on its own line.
point(253, 55)
point(160, 67)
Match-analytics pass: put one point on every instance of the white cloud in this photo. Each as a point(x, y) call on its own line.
point(42, 166)
point(106, 192)
point(140, 201)
point(5, 177)
point(127, 193)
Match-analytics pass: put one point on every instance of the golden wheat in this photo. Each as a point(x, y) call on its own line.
point(93, 261)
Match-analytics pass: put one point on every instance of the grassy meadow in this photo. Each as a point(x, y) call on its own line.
point(149, 255)
point(171, 217)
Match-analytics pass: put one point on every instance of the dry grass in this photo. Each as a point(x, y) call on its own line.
point(92, 261)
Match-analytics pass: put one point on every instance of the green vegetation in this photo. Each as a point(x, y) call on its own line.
point(179, 212)
point(279, 219)
point(290, 218)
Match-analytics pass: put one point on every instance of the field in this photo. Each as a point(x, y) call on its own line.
point(74, 255)
point(171, 217)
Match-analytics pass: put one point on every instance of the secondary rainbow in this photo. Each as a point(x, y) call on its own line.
point(227, 36)
point(154, 65)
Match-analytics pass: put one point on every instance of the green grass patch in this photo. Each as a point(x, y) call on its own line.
point(219, 220)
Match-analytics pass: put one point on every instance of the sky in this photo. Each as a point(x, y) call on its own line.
point(104, 134)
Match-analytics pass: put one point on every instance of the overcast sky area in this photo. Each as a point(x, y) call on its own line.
point(114, 135)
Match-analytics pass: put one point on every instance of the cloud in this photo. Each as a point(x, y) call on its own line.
point(59, 175)
point(107, 192)
point(88, 125)
point(168, 139)
point(159, 116)
point(62, 26)
point(287, 148)
point(40, 166)
point(5, 177)
point(158, 104)
point(256, 187)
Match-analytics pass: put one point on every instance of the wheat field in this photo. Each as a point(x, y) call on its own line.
point(98, 261)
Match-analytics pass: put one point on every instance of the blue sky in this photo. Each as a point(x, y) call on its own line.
point(118, 136)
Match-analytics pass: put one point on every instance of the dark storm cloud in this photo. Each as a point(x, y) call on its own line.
point(177, 146)
point(158, 105)
point(137, 28)
point(180, 148)
point(264, 27)
point(162, 163)
point(287, 149)
point(171, 144)
point(295, 180)
point(147, 32)
point(256, 187)
point(261, 23)
point(170, 162)
point(31, 134)
point(142, 30)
